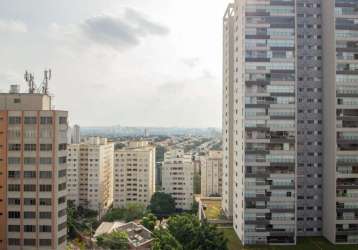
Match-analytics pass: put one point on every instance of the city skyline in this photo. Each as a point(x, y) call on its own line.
point(146, 65)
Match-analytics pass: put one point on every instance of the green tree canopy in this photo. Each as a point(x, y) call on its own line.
point(162, 204)
point(149, 221)
point(113, 241)
point(183, 228)
point(193, 235)
point(163, 240)
point(129, 213)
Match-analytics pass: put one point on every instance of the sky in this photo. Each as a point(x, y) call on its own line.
point(119, 62)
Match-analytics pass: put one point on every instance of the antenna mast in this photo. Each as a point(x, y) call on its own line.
point(47, 78)
point(30, 79)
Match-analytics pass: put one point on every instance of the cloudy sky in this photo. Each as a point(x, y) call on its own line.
point(127, 62)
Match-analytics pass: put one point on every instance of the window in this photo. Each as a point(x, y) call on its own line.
point(61, 239)
point(45, 174)
point(62, 186)
point(29, 201)
point(14, 174)
point(30, 120)
point(29, 160)
point(13, 228)
point(17, 100)
point(62, 213)
point(62, 146)
point(45, 188)
point(62, 160)
point(29, 228)
point(30, 242)
point(13, 241)
point(14, 187)
point(62, 226)
point(14, 120)
point(29, 215)
point(13, 201)
point(30, 147)
point(45, 242)
point(14, 214)
point(45, 160)
point(62, 200)
point(14, 147)
point(45, 215)
point(29, 188)
point(45, 228)
point(29, 174)
point(63, 120)
point(13, 160)
point(62, 173)
point(46, 120)
point(46, 147)
point(45, 202)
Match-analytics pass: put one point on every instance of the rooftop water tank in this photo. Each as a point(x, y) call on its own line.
point(14, 89)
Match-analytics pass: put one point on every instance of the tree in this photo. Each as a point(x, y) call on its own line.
point(149, 221)
point(162, 204)
point(131, 212)
point(192, 235)
point(113, 241)
point(71, 220)
point(207, 237)
point(183, 228)
point(163, 240)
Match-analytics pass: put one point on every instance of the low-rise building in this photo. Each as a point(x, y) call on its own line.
point(139, 238)
point(178, 178)
point(134, 174)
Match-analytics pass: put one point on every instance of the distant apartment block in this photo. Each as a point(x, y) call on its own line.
point(92, 163)
point(290, 142)
point(211, 174)
point(33, 141)
point(178, 178)
point(75, 134)
point(134, 174)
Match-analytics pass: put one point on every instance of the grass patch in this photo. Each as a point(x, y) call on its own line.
point(212, 210)
point(306, 243)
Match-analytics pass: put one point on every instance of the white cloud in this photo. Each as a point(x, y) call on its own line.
point(12, 27)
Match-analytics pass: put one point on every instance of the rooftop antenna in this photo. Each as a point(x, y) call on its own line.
point(30, 79)
point(47, 78)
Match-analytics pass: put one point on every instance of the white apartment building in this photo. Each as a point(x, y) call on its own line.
point(178, 178)
point(92, 163)
point(211, 174)
point(33, 140)
point(134, 174)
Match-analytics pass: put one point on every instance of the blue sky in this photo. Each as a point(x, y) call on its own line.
point(128, 62)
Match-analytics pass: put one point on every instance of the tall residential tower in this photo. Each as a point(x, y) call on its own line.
point(33, 141)
point(294, 139)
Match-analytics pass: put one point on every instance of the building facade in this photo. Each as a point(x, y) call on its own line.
point(340, 178)
point(92, 163)
point(178, 178)
point(75, 134)
point(134, 174)
point(33, 141)
point(211, 174)
point(294, 150)
point(264, 121)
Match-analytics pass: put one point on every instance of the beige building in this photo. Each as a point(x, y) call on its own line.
point(92, 163)
point(211, 174)
point(33, 141)
point(134, 174)
point(178, 178)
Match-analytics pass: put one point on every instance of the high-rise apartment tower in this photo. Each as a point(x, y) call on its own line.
point(290, 120)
